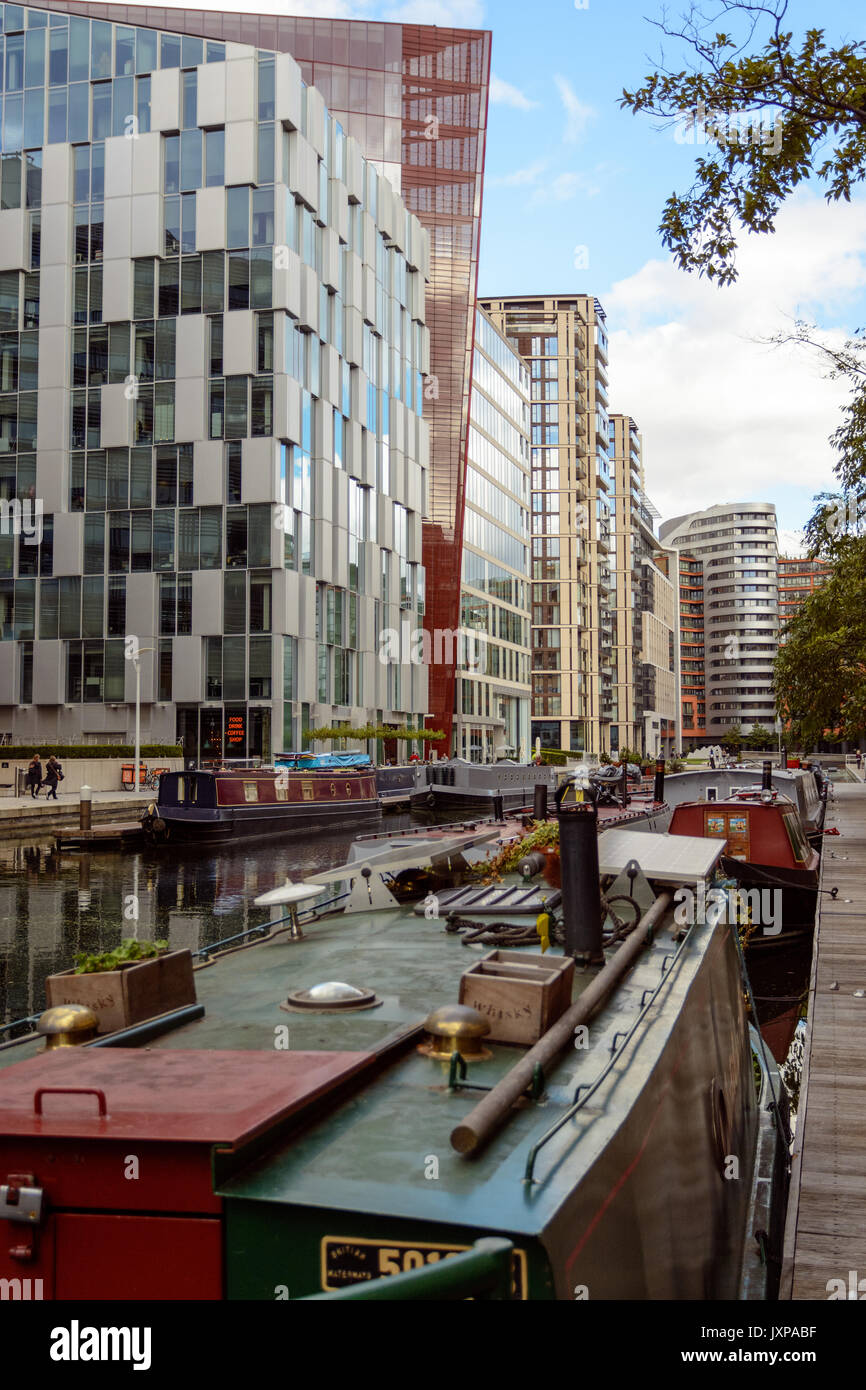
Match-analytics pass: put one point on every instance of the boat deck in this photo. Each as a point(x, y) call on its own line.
point(825, 1237)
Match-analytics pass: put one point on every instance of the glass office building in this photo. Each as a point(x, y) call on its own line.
point(212, 385)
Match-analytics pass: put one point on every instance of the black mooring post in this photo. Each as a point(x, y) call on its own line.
point(659, 788)
point(498, 814)
point(581, 885)
point(784, 760)
point(767, 779)
point(539, 801)
point(623, 791)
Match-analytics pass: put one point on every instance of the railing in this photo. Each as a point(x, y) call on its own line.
point(483, 1272)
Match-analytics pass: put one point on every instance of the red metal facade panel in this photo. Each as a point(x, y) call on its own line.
point(385, 82)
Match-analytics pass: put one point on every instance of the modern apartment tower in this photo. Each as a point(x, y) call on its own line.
point(492, 717)
point(564, 340)
point(692, 652)
point(645, 711)
point(736, 544)
point(215, 276)
point(798, 580)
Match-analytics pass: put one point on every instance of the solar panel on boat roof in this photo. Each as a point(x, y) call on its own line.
point(665, 858)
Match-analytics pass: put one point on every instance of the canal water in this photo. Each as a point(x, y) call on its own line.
point(53, 906)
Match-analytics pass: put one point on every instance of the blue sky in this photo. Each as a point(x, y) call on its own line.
point(571, 177)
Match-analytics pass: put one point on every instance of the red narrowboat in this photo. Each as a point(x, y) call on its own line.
point(766, 849)
point(214, 807)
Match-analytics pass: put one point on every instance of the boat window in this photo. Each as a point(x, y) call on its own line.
point(282, 792)
point(251, 791)
point(181, 790)
point(795, 835)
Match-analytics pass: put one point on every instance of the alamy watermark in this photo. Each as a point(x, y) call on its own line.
point(759, 907)
point(703, 126)
point(23, 519)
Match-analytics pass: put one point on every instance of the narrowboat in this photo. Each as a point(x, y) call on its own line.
point(346, 1109)
point(765, 849)
point(205, 807)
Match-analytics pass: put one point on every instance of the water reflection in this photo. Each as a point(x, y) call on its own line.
point(52, 905)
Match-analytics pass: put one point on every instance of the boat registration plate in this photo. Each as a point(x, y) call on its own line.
point(349, 1260)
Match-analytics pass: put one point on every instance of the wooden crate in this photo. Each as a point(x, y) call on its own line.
point(521, 995)
point(135, 992)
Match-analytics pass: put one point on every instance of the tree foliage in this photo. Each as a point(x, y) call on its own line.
point(754, 65)
point(821, 669)
point(745, 60)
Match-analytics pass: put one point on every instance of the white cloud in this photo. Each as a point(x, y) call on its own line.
point(566, 186)
point(724, 416)
point(577, 113)
point(503, 94)
point(791, 542)
point(519, 177)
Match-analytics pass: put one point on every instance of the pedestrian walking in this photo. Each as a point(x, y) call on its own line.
point(34, 775)
point(53, 774)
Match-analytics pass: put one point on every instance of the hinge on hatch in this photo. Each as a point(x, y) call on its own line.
point(21, 1201)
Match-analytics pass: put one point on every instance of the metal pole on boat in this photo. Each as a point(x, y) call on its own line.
point(767, 779)
point(624, 785)
point(539, 801)
point(581, 886)
point(659, 788)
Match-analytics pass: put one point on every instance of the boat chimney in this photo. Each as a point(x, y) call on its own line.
point(623, 791)
point(578, 853)
point(659, 787)
point(539, 801)
point(767, 779)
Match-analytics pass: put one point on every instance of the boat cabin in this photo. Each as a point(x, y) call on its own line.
point(757, 828)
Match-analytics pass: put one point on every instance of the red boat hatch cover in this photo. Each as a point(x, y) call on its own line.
point(186, 1097)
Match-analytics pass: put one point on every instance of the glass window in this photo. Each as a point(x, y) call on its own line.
point(34, 57)
point(215, 144)
point(210, 538)
point(170, 51)
point(79, 113)
point(141, 539)
point(100, 49)
point(124, 51)
point(213, 282)
point(79, 49)
point(238, 216)
point(143, 289)
point(145, 50)
point(235, 601)
point(190, 160)
point(239, 280)
point(101, 110)
point(190, 100)
point(236, 407)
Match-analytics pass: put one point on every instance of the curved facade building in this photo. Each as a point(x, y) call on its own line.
point(737, 546)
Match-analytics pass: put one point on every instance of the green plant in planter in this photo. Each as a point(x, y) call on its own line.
point(128, 952)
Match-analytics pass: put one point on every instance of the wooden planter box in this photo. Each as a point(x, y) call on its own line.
point(131, 994)
point(520, 995)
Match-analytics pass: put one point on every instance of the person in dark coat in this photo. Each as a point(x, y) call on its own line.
point(52, 777)
point(34, 775)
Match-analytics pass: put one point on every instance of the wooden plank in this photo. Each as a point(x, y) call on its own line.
point(825, 1235)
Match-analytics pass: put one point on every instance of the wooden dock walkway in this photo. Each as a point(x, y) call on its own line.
point(825, 1235)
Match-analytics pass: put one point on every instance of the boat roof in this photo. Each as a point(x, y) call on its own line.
point(367, 1154)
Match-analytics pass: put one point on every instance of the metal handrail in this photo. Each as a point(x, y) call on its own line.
point(589, 1088)
point(485, 1271)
